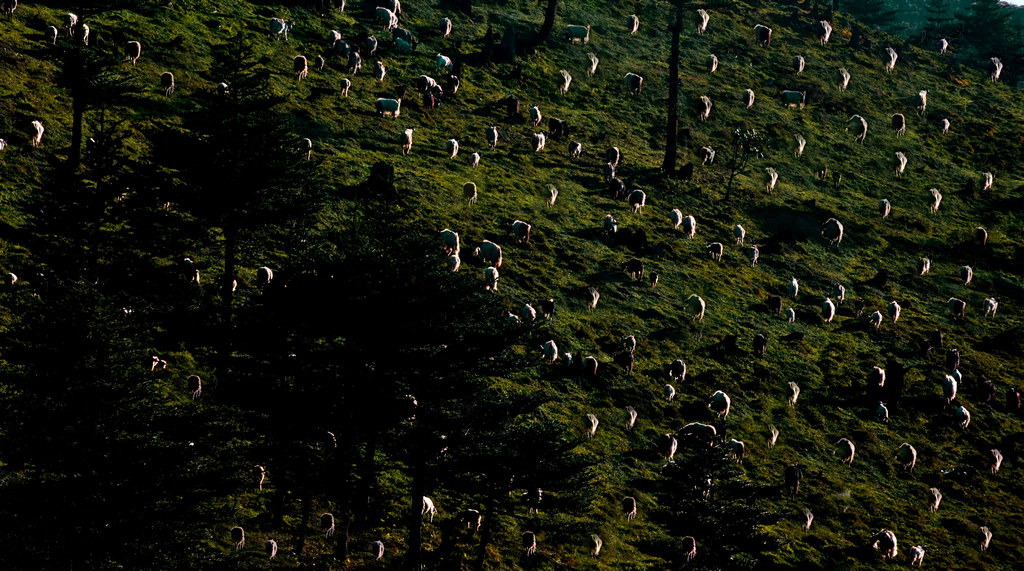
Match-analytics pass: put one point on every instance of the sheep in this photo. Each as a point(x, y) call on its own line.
point(887, 540)
point(454, 262)
point(280, 27)
point(828, 310)
point(346, 84)
point(701, 432)
point(428, 508)
point(167, 83)
point(793, 474)
point(406, 140)
point(848, 449)
point(893, 310)
point(957, 307)
point(592, 298)
point(794, 288)
point(70, 21)
point(538, 140)
point(521, 232)
point(629, 507)
point(695, 307)
point(388, 19)
point(610, 226)
point(83, 34)
point(632, 24)
point(986, 533)
point(775, 304)
point(943, 45)
point(752, 254)
point(702, 21)
point(922, 101)
point(991, 305)
point(704, 108)
point(634, 83)
point(195, 386)
point(987, 180)
point(882, 412)
point(689, 226)
point(590, 366)
point(264, 276)
point(635, 268)
point(578, 34)
point(770, 180)
point(966, 274)
point(906, 454)
point(133, 50)
point(715, 250)
point(794, 394)
point(667, 445)
point(450, 240)
point(800, 144)
point(445, 27)
point(535, 116)
point(306, 146)
point(901, 164)
point(489, 252)
point(739, 233)
point(760, 344)
point(824, 30)
point(861, 130)
point(51, 34)
point(609, 173)
point(944, 126)
point(719, 403)
point(472, 518)
point(491, 279)
point(637, 200)
point(550, 351)
point(876, 378)
point(492, 136)
point(995, 68)
point(899, 124)
point(748, 98)
point(890, 63)
point(737, 449)
point(575, 149)
point(270, 547)
point(832, 230)
point(844, 79)
point(790, 315)
point(997, 460)
point(706, 155)
point(963, 417)
point(712, 63)
point(474, 160)
point(839, 292)
point(443, 63)
point(321, 63)
point(593, 64)
point(936, 499)
point(393, 5)
point(469, 192)
point(327, 524)
point(355, 62)
point(36, 133)
point(875, 319)
point(808, 519)
point(379, 71)
point(631, 422)
point(794, 98)
point(596, 540)
point(377, 549)
point(670, 392)
point(592, 423)
point(677, 370)
point(798, 64)
point(238, 537)
point(923, 266)
point(936, 200)
point(763, 34)
point(451, 146)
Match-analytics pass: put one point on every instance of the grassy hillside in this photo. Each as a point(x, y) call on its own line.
point(567, 254)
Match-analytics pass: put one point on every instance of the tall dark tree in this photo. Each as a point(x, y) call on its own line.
point(747, 144)
point(875, 13)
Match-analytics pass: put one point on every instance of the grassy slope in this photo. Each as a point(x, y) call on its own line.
point(566, 254)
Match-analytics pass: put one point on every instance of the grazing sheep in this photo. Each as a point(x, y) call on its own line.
point(794, 393)
point(997, 460)
point(36, 134)
point(991, 305)
point(701, 432)
point(634, 83)
point(469, 192)
point(631, 422)
point(890, 63)
point(790, 315)
point(957, 307)
point(388, 19)
point(752, 254)
point(489, 252)
point(963, 417)
point(900, 164)
point(690, 226)
point(748, 98)
point(882, 412)
point(550, 351)
point(632, 24)
point(887, 541)
point(944, 126)
point(844, 79)
point(492, 136)
point(637, 199)
point(280, 27)
point(848, 450)
point(592, 423)
point(379, 71)
point(575, 149)
point(454, 262)
point(592, 296)
point(133, 50)
point(923, 266)
point(884, 208)
point(538, 140)
point(893, 309)
point(936, 499)
point(739, 233)
point(922, 101)
point(899, 124)
point(720, 402)
point(535, 116)
point(167, 83)
point(986, 533)
point(966, 274)
point(474, 160)
point(808, 519)
point(794, 475)
point(377, 549)
point(306, 146)
point(987, 179)
point(794, 288)
point(794, 98)
point(839, 292)
point(773, 437)
point(712, 63)
point(593, 64)
point(824, 30)
point(770, 180)
point(451, 146)
point(875, 319)
point(51, 34)
point(876, 378)
point(704, 108)
point(798, 64)
point(775, 304)
point(760, 344)
point(675, 217)
point(611, 226)
point(327, 524)
point(715, 250)
point(677, 370)
point(695, 307)
point(800, 144)
point(195, 386)
point(428, 508)
point(406, 141)
point(981, 235)
point(737, 449)
point(566, 81)
point(706, 155)
point(597, 543)
point(828, 310)
point(916, 555)
point(860, 127)
point(763, 34)
point(702, 21)
point(445, 27)
point(270, 547)
point(667, 445)
point(629, 504)
point(670, 392)
point(590, 366)
point(491, 279)
point(906, 454)
point(995, 68)
point(832, 230)
point(529, 543)
point(83, 34)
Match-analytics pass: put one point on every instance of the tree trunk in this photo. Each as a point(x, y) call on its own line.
point(671, 144)
point(227, 292)
point(77, 115)
point(486, 531)
point(545, 28)
point(416, 509)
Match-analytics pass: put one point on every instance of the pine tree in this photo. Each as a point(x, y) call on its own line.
point(875, 13)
